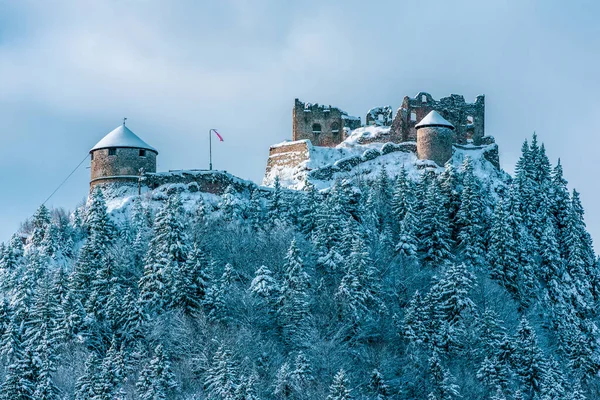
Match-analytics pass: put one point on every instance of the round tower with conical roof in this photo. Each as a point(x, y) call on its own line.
point(435, 137)
point(120, 157)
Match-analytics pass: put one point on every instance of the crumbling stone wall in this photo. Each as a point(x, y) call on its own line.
point(123, 167)
point(468, 118)
point(215, 182)
point(322, 125)
point(379, 116)
point(287, 154)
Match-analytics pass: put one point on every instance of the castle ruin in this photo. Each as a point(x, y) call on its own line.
point(434, 127)
point(322, 125)
point(468, 119)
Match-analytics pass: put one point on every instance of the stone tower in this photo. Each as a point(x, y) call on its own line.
point(435, 137)
point(119, 156)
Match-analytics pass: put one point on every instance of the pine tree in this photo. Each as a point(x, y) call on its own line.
point(339, 388)
point(414, 327)
point(493, 374)
point(284, 386)
point(330, 220)
point(190, 283)
point(450, 191)
point(112, 372)
point(215, 301)
point(133, 317)
point(265, 286)
point(255, 213)
point(41, 220)
point(435, 238)
point(407, 244)
point(231, 206)
point(403, 197)
point(442, 382)
point(221, 377)
point(96, 248)
point(578, 393)
point(358, 290)
point(560, 207)
point(157, 381)
point(88, 385)
point(167, 253)
point(528, 359)
point(378, 388)
point(302, 375)
point(451, 294)
point(141, 231)
point(294, 303)
point(11, 259)
point(502, 253)
point(51, 243)
point(246, 390)
point(490, 333)
point(20, 379)
point(276, 210)
point(469, 219)
point(309, 207)
point(499, 395)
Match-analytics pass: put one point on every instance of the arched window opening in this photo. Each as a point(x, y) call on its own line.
point(470, 119)
point(423, 98)
point(413, 116)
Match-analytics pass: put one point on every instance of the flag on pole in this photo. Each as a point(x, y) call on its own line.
point(218, 135)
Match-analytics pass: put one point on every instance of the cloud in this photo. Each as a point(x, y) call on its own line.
point(69, 70)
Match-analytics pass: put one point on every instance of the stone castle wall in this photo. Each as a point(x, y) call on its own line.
point(122, 167)
point(215, 182)
point(288, 154)
point(322, 125)
point(468, 118)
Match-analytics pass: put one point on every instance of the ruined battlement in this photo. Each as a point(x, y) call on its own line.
point(321, 124)
point(468, 119)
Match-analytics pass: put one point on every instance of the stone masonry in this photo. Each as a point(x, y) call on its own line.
point(322, 125)
point(468, 118)
point(123, 166)
point(288, 154)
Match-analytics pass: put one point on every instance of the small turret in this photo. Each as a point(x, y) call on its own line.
point(119, 156)
point(434, 138)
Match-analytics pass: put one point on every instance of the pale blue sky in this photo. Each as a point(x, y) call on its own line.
point(70, 70)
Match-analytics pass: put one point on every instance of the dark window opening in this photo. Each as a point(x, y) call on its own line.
point(142, 153)
point(92, 156)
point(316, 128)
point(469, 136)
point(112, 151)
point(335, 127)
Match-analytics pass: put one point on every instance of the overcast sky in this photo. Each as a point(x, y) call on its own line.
point(71, 70)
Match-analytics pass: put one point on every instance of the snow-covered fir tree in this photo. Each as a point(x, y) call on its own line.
point(398, 283)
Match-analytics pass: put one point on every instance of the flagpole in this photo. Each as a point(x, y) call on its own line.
point(210, 149)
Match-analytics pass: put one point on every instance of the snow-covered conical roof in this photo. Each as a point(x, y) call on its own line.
point(122, 136)
point(434, 119)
